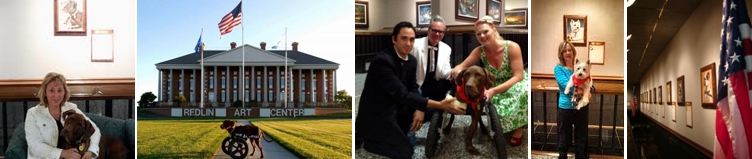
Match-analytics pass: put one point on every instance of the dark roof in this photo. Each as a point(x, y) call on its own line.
point(302, 58)
point(299, 57)
point(191, 58)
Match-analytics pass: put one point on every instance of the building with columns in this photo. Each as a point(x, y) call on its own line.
point(310, 79)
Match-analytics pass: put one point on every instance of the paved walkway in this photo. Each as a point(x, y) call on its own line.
point(271, 149)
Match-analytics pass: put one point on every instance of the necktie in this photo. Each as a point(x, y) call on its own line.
point(431, 57)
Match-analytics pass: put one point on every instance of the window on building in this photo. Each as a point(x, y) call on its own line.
point(282, 83)
point(247, 82)
point(302, 84)
point(282, 96)
point(258, 95)
point(271, 96)
point(193, 97)
point(212, 97)
point(234, 96)
point(258, 82)
point(234, 82)
point(315, 84)
point(271, 82)
point(302, 97)
point(193, 83)
point(313, 96)
point(223, 82)
point(223, 96)
point(211, 82)
point(246, 96)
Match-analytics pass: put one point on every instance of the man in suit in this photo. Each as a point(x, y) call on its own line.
point(433, 68)
point(390, 88)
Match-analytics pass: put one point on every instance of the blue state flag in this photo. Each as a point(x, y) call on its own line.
point(198, 45)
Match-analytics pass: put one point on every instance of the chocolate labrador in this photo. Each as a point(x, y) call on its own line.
point(472, 83)
point(246, 131)
point(77, 132)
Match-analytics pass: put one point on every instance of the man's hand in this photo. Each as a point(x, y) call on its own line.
point(447, 105)
point(417, 120)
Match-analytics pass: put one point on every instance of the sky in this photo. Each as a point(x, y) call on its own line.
point(170, 29)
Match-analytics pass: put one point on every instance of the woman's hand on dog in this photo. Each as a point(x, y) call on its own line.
point(417, 120)
point(447, 105)
point(70, 153)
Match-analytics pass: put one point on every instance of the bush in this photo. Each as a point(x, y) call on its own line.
point(237, 104)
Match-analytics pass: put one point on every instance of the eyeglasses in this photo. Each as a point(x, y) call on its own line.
point(437, 31)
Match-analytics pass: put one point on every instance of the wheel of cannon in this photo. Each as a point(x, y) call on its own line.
point(238, 148)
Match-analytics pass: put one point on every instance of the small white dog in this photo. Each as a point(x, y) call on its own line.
point(576, 33)
point(580, 79)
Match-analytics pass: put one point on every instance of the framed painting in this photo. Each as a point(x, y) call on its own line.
point(466, 10)
point(423, 13)
point(707, 86)
point(652, 101)
point(655, 95)
point(361, 14)
point(102, 45)
point(70, 18)
point(575, 29)
point(660, 95)
point(493, 9)
point(680, 91)
point(668, 93)
point(516, 18)
point(597, 52)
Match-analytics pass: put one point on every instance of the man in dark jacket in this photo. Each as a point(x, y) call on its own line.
point(390, 88)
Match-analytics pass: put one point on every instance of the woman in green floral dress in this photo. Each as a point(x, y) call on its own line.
point(503, 59)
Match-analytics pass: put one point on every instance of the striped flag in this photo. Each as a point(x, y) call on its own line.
point(230, 20)
point(280, 41)
point(733, 125)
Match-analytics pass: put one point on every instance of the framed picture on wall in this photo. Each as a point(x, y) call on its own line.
point(361, 14)
point(689, 115)
point(652, 100)
point(680, 91)
point(660, 95)
point(668, 93)
point(102, 45)
point(707, 86)
point(466, 9)
point(516, 18)
point(575, 29)
point(597, 52)
point(70, 18)
point(423, 13)
point(493, 9)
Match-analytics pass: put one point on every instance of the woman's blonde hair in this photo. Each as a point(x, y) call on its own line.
point(489, 20)
point(562, 46)
point(49, 78)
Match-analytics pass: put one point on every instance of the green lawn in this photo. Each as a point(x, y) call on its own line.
point(307, 137)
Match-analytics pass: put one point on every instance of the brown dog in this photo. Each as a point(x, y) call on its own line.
point(471, 85)
point(251, 132)
point(77, 131)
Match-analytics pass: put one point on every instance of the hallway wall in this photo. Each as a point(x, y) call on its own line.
point(694, 46)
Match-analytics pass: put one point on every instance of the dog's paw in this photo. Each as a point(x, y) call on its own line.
point(566, 91)
point(472, 150)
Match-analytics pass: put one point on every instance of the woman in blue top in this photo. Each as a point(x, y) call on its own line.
point(566, 114)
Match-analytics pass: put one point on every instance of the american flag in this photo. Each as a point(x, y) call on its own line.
point(733, 126)
point(231, 20)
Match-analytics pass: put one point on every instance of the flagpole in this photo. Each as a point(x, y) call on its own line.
point(201, 48)
point(242, 40)
point(287, 74)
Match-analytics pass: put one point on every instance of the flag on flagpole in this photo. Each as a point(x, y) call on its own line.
point(280, 40)
point(230, 20)
point(733, 125)
point(198, 44)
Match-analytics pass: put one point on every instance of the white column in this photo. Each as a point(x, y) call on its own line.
point(252, 80)
point(312, 84)
point(265, 80)
point(227, 94)
point(276, 82)
point(298, 84)
point(160, 95)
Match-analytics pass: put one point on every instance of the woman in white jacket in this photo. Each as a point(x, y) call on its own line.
point(43, 122)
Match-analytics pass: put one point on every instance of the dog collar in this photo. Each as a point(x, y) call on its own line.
point(463, 96)
point(578, 82)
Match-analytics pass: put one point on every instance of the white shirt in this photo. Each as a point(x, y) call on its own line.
point(422, 52)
